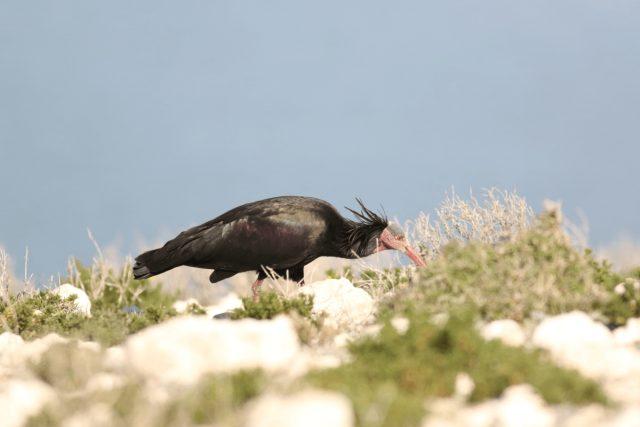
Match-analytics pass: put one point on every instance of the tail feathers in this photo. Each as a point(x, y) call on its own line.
point(152, 263)
point(141, 271)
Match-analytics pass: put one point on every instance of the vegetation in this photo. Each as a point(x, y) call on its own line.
point(271, 304)
point(391, 374)
point(537, 272)
point(488, 259)
point(120, 306)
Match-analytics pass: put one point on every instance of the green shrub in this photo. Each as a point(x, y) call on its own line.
point(347, 273)
point(112, 295)
point(270, 304)
point(391, 374)
point(39, 313)
point(624, 302)
point(110, 288)
point(538, 271)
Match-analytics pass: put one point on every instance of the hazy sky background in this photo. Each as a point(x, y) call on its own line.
point(137, 119)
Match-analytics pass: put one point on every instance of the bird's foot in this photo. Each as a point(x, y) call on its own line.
point(255, 289)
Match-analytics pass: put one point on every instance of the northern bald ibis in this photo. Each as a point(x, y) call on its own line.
point(281, 233)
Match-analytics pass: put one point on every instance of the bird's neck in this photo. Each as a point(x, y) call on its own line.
point(356, 240)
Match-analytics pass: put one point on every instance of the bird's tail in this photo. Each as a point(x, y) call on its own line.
point(152, 263)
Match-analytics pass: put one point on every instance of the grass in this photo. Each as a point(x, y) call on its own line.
point(489, 258)
point(497, 216)
point(538, 271)
point(120, 307)
point(272, 304)
point(391, 374)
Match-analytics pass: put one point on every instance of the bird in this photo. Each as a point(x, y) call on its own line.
point(282, 234)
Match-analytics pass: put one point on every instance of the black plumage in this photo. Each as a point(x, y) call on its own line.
point(281, 233)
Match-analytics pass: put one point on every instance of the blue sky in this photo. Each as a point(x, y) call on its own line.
point(137, 119)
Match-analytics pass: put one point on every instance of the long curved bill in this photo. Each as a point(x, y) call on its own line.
point(414, 256)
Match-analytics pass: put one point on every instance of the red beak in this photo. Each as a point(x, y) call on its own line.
point(389, 242)
point(413, 255)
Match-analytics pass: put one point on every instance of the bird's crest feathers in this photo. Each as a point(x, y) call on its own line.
point(368, 225)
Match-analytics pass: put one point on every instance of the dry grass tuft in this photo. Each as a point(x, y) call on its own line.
point(5, 276)
point(496, 217)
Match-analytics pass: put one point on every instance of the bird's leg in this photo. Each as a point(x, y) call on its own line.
point(255, 288)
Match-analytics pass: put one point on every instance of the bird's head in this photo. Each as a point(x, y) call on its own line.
point(373, 233)
point(393, 237)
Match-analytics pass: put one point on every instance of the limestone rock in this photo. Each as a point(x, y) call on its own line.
point(182, 349)
point(81, 301)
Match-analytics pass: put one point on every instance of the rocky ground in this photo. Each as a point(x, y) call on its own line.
point(173, 356)
point(522, 330)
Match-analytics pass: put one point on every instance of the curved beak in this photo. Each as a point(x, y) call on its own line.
point(389, 242)
point(414, 256)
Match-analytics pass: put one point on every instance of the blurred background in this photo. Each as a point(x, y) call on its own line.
point(138, 119)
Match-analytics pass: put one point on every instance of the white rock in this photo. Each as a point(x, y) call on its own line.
point(20, 399)
point(400, 324)
point(10, 352)
point(628, 417)
point(9, 340)
point(115, 358)
point(342, 340)
point(182, 306)
point(182, 349)
point(628, 334)
point(341, 301)
point(98, 415)
point(508, 331)
point(570, 331)
point(33, 350)
point(104, 381)
point(229, 302)
point(521, 406)
point(81, 302)
point(90, 345)
point(464, 385)
point(591, 415)
point(577, 341)
point(30, 351)
point(370, 330)
point(309, 408)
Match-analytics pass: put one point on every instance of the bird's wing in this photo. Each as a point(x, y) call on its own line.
point(278, 235)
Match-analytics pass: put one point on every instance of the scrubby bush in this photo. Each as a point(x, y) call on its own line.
point(270, 304)
point(36, 314)
point(120, 306)
point(391, 374)
point(537, 271)
point(497, 216)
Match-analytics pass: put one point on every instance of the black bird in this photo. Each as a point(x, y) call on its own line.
point(282, 233)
